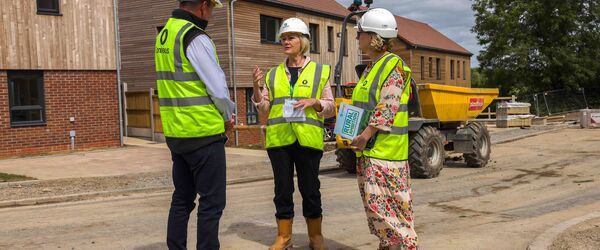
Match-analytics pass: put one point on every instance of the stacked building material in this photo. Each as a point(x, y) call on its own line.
point(513, 114)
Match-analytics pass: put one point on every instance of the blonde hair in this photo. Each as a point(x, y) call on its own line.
point(304, 42)
point(380, 44)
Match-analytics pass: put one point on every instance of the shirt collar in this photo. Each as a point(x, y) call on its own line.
point(306, 61)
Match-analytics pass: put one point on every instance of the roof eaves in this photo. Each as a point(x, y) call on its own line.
point(463, 53)
point(295, 7)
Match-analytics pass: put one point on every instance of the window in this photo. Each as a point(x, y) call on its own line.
point(48, 7)
point(330, 40)
point(458, 70)
point(438, 69)
point(251, 112)
point(451, 69)
point(269, 27)
point(464, 71)
point(422, 68)
point(26, 97)
point(430, 67)
point(314, 37)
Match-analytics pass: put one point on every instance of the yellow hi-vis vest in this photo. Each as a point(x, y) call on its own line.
point(310, 84)
point(393, 145)
point(186, 109)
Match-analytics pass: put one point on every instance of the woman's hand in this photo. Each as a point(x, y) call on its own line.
point(306, 103)
point(257, 76)
point(360, 142)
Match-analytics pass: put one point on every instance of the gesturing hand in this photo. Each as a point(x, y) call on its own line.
point(257, 75)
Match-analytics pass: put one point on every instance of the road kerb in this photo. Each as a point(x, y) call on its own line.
point(93, 195)
point(516, 138)
point(545, 240)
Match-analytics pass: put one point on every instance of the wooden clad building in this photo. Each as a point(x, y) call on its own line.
point(58, 76)
point(245, 35)
point(433, 57)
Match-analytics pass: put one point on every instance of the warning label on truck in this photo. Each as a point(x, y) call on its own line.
point(476, 103)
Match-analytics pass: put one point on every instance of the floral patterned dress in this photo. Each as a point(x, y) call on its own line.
point(385, 185)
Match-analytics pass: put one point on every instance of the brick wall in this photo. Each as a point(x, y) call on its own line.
point(89, 96)
point(246, 137)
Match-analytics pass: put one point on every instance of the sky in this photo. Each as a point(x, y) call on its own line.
point(453, 18)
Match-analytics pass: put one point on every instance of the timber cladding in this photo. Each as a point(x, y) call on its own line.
point(89, 96)
point(251, 51)
point(139, 21)
point(461, 77)
point(138, 25)
point(81, 38)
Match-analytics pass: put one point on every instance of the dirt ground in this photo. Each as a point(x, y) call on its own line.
point(531, 186)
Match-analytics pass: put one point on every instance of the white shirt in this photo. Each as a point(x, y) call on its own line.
point(202, 56)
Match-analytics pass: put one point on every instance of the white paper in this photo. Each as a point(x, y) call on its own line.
point(292, 114)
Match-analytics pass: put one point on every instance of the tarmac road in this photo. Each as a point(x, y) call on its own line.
point(530, 186)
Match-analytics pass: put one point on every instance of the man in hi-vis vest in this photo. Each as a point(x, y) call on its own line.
point(196, 113)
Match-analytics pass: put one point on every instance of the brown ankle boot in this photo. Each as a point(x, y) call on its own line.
point(314, 234)
point(284, 235)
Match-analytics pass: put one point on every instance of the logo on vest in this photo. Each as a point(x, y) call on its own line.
point(164, 36)
point(304, 84)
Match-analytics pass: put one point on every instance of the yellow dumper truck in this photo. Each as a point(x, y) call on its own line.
point(440, 121)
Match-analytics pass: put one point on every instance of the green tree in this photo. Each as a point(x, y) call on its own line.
point(536, 45)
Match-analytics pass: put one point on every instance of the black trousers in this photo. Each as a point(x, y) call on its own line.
point(200, 172)
point(307, 163)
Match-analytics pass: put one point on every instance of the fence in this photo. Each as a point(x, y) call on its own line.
point(555, 102)
point(143, 116)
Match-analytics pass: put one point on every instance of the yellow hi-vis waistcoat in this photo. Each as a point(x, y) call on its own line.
point(186, 109)
point(310, 84)
point(393, 145)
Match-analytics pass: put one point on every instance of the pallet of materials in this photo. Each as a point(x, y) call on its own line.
point(514, 121)
point(513, 114)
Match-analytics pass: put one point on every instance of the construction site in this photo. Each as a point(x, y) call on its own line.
point(84, 162)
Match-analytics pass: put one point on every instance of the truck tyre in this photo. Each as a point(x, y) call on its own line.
point(426, 153)
point(481, 146)
point(346, 159)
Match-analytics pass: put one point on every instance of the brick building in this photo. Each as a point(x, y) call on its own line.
point(57, 76)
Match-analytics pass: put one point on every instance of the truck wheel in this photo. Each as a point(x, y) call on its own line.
point(481, 146)
point(346, 159)
point(426, 153)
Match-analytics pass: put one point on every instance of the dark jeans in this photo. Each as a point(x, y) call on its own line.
point(307, 163)
point(200, 172)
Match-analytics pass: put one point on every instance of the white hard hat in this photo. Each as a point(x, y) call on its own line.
point(380, 21)
point(217, 3)
point(294, 25)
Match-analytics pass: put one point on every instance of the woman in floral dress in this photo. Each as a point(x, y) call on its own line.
point(385, 184)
